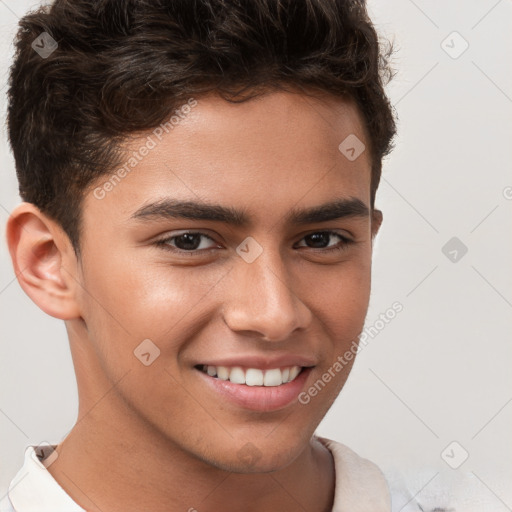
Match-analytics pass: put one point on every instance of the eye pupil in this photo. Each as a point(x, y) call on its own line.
point(192, 241)
point(322, 238)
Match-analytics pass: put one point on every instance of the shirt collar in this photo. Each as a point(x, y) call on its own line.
point(34, 489)
point(360, 485)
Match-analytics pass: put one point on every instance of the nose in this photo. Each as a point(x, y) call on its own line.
point(262, 300)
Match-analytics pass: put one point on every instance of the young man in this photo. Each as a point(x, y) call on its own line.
point(199, 181)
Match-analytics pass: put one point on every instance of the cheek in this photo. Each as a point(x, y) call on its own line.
point(341, 297)
point(128, 299)
point(137, 300)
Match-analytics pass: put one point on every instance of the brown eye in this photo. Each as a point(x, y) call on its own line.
point(321, 239)
point(318, 240)
point(186, 242)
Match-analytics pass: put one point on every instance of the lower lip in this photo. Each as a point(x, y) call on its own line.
point(258, 398)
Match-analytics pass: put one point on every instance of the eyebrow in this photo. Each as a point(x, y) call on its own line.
point(176, 209)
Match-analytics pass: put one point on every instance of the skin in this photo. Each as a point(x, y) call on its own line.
point(169, 442)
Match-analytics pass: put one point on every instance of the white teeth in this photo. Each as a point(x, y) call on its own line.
point(273, 378)
point(222, 372)
point(237, 375)
point(294, 371)
point(254, 376)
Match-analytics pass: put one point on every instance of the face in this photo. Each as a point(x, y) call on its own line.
point(206, 308)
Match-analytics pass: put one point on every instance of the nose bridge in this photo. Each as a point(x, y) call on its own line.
point(263, 300)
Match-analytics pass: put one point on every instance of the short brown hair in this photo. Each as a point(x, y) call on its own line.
point(121, 66)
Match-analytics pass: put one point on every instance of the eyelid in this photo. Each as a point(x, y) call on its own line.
point(345, 237)
point(163, 242)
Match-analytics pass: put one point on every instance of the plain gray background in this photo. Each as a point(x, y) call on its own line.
point(440, 371)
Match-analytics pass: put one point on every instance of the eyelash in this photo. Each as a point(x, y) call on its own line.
point(164, 242)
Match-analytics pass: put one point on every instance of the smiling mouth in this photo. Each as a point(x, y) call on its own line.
point(253, 376)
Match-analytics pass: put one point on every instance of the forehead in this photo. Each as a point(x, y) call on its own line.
point(266, 154)
point(277, 125)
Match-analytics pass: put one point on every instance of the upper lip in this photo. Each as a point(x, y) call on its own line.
point(261, 362)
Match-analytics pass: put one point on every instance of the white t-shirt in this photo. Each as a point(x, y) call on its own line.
point(360, 485)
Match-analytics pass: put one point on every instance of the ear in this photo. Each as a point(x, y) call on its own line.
point(44, 261)
point(377, 218)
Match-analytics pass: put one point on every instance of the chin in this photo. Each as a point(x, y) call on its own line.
point(259, 457)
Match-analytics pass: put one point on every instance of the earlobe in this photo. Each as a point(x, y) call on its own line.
point(41, 254)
